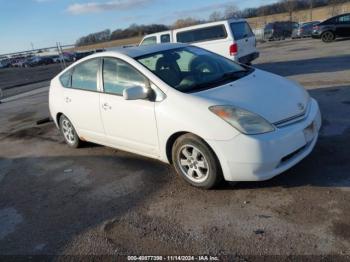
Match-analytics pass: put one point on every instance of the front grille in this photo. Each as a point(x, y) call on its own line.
point(293, 119)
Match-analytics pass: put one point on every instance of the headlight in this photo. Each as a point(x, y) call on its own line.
point(243, 120)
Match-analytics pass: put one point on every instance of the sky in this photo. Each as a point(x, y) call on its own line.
point(42, 23)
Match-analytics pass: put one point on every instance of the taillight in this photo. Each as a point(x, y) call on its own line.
point(233, 49)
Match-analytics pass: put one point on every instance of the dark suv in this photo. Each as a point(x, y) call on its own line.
point(329, 30)
point(279, 30)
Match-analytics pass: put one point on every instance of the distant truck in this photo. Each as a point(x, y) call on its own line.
point(231, 38)
point(279, 30)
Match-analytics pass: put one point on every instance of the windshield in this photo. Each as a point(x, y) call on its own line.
point(192, 69)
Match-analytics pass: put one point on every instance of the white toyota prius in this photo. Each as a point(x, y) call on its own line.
point(210, 117)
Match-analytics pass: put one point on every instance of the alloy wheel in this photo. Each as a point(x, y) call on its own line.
point(68, 131)
point(193, 163)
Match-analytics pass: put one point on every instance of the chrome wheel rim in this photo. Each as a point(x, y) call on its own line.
point(193, 163)
point(68, 131)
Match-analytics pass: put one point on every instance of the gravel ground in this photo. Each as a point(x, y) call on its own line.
point(98, 200)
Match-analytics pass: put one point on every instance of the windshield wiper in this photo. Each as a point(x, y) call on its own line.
point(233, 75)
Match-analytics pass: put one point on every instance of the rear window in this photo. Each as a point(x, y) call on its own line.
point(241, 30)
point(202, 34)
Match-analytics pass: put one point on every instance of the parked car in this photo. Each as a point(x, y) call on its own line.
point(80, 55)
point(18, 62)
point(304, 30)
point(231, 38)
point(4, 63)
point(209, 116)
point(329, 30)
point(279, 30)
point(60, 58)
point(37, 61)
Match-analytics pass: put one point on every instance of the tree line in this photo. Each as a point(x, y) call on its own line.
point(231, 11)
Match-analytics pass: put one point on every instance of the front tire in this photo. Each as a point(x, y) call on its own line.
point(196, 162)
point(328, 37)
point(68, 131)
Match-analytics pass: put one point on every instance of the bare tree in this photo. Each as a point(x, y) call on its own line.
point(185, 22)
point(215, 16)
point(232, 11)
point(335, 6)
point(289, 5)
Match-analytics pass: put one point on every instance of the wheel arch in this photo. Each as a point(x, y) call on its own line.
point(58, 116)
point(171, 141)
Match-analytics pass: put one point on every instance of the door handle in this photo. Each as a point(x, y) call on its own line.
point(106, 106)
point(68, 100)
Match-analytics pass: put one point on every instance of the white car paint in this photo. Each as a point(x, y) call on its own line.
point(145, 127)
point(246, 45)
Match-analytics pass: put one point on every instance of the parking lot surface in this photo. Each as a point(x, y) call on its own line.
point(98, 200)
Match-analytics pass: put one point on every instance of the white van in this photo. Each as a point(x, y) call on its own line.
point(231, 38)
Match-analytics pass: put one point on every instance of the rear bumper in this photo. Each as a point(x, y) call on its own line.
point(248, 58)
point(261, 157)
point(316, 34)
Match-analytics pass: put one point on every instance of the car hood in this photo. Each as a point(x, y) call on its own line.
point(273, 97)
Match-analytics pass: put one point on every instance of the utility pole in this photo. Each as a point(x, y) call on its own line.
point(311, 8)
point(31, 44)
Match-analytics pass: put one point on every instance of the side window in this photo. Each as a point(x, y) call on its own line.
point(202, 34)
point(149, 40)
point(165, 38)
point(184, 61)
point(151, 62)
point(84, 75)
point(344, 19)
point(118, 75)
point(66, 79)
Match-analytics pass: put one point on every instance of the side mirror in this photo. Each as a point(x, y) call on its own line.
point(135, 93)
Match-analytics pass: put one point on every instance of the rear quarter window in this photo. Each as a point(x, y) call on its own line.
point(202, 34)
point(66, 79)
point(241, 30)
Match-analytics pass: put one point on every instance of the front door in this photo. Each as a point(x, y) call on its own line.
point(343, 26)
point(129, 124)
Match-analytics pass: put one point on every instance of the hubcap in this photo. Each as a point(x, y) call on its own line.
point(193, 164)
point(68, 131)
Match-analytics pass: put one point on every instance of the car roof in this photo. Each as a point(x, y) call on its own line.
point(144, 50)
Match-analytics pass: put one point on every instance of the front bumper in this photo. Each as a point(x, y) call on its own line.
point(261, 157)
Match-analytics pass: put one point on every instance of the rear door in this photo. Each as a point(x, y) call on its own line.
point(343, 26)
point(82, 100)
point(244, 37)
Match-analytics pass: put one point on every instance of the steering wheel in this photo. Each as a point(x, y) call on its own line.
point(202, 65)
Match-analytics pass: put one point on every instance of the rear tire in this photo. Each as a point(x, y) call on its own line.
point(196, 162)
point(69, 134)
point(328, 37)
